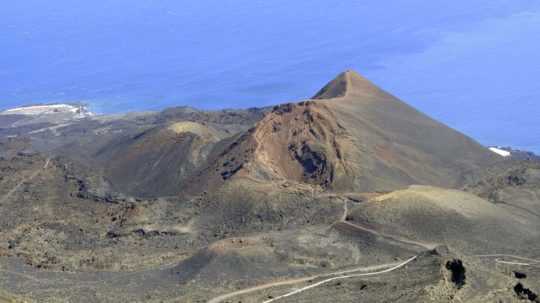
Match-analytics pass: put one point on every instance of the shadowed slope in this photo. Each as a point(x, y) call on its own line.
point(451, 217)
point(395, 145)
point(157, 162)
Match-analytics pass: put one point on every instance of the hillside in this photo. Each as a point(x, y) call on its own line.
point(350, 195)
point(351, 137)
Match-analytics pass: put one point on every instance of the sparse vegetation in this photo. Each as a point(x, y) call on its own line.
point(242, 205)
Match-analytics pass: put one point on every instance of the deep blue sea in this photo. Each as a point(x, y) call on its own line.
point(474, 65)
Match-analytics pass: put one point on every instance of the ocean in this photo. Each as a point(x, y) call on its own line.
point(473, 65)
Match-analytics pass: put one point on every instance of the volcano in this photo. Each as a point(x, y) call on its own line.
point(352, 136)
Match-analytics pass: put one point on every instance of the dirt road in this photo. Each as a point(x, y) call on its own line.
point(340, 278)
point(521, 262)
point(339, 274)
point(336, 275)
point(398, 239)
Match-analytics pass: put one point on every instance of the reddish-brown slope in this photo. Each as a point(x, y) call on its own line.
point(352, 136)
point(396, 145)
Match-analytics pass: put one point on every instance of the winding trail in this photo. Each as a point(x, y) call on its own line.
point(340, 274)
point(257, 288)
point(340, 278)
point(530, 262)
point(352, 273)
point(24, 180)
point(394, 238)
point(517, 263)
point(508, 256)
